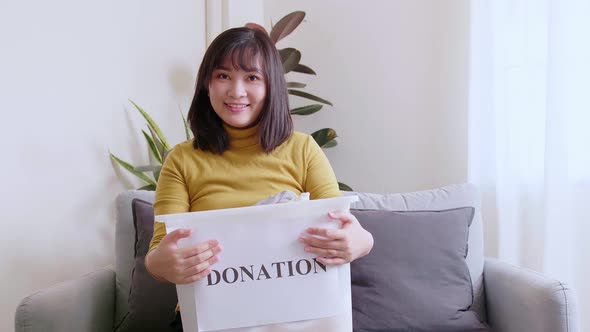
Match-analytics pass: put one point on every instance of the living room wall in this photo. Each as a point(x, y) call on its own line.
point(67, 69)
point(397, 73)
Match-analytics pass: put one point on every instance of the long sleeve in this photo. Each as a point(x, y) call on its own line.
point(171, 194)
point(320, 180)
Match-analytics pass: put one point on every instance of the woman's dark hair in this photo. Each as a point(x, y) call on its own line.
point(243, 46)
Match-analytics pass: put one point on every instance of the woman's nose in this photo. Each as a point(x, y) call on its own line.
point(237, 90)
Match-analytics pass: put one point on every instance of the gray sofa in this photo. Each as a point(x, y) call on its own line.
point(507, 297)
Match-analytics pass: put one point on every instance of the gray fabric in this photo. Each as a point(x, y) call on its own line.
point(449, 197)
point(282, 197)
point(83, 304)
point(124, 247)
point(151, 302)
point(89, 305)
point(519, 300)
point(415, 278)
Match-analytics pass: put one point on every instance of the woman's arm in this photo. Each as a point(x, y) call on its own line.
point(165, 260)
point(181, 265)
point(332, 246)
point(319, 180)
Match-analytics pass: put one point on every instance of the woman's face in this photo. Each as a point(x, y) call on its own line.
point(237, 96)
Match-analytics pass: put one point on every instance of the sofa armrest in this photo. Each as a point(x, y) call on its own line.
point(519, 299)
point(83, 304)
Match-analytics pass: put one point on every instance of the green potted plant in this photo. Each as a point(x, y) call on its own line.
point(159, 148)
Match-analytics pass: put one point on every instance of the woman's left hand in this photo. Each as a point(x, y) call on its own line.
point(338, 246)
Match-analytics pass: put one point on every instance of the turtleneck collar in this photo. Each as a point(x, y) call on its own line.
point(241, 138)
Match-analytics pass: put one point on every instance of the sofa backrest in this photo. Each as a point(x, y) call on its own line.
point(460, 195)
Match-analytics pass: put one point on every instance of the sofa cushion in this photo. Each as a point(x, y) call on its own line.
point(125, 248)
point(151, 303)
point(448, 197)
point(416, 277)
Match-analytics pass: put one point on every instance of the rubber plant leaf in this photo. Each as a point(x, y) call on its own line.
point(152, 146)
point(153, 124)
point(306, 110)
point(296, 85)
point(303, 69)
point(308, 96)
point(256, 27)
point(324, 136)
point(344, 187)
point(330, 144)
point(286, 25)
point(130, 169)
point(290, 58)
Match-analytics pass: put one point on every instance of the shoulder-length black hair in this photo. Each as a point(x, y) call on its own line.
point(244, 46)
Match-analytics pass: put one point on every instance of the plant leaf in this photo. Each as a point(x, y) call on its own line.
point(157, 142)
point(186, 130)
point(296, 85)
point(286, 25)
point(149, 187)
point(324, 136)
point(306, 110)
point(303, 69)
point(308, 96)
point(165, 155)
point(152, 146)
point(256, 27)
point(330, 144)
point(147, 168)
point(130, 169)
point(153, 124)
point(290, 58)
point(156, 173)
point(344, 187)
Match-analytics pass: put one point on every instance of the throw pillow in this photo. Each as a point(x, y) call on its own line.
point(152, 303)
point(416, 277)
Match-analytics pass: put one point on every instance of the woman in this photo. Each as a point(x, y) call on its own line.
point(244, 150)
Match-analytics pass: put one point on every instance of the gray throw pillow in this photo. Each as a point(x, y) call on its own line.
point(151, 303)
point(415, 278)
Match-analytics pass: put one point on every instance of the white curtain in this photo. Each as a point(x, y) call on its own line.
point(529, 135)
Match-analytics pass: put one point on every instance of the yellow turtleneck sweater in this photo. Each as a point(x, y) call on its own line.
point(196, 180)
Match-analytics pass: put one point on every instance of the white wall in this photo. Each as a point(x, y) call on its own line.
point(397, 74)
point(66, 70)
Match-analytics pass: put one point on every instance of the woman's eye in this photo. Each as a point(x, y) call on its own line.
point(223, 76)
point(253, 78)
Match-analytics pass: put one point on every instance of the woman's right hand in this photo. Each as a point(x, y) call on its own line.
point(181, 265)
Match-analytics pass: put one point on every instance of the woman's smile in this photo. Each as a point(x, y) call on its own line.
point(236, 108)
